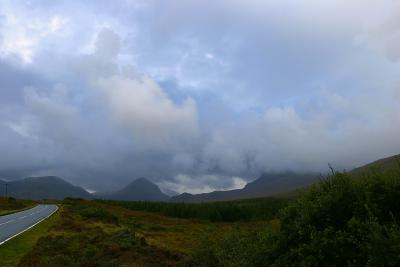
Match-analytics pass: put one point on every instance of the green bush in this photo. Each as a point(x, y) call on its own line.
point(240, 248)
point(341, 221)
point(126, 238)
point(97, 213)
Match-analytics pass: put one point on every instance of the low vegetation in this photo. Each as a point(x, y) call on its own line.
point(10, 205)
point(341, 221)
point(227, 211)
point(91, 233)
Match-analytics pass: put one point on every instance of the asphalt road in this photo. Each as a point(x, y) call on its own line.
point(14, 224)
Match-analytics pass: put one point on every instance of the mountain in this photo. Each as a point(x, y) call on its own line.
point(268, 184)
point(49, 187)
point(140, 190)
point(169, 192)
point(388, 164)
point(282, 184)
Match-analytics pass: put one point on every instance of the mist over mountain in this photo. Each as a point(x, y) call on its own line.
point(268, 184)
point(51, 187)
point(142, 189)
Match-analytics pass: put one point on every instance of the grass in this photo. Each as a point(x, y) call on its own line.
point(90, 233)
point(10, 205)
point(100, 233)
point(12, 251)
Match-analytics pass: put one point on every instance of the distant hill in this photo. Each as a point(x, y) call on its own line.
point(49, 187)
point(268, 184)
point(140, 189)
point(389, 163)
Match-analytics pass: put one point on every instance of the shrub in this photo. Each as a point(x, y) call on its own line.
point(98, 213)
point(341, 221)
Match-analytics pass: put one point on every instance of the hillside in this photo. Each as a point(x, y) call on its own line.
point(268, 184)
point(49, 187)
point(140, 189)
point(387, 164)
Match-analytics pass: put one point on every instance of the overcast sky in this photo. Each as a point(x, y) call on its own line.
point(196, 95)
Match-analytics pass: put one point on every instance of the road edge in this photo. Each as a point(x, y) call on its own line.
point(15, 211)
point(33, 225)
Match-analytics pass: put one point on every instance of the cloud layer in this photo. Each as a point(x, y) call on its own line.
point(196, 97)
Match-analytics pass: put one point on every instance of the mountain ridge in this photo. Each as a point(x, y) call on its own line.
point(140, 189)
point(45, 187)
point(268, 184)
point(387, 163)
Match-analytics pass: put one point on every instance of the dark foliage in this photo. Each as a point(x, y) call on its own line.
point(11, 204)
point(230, 211)
point(341, 221)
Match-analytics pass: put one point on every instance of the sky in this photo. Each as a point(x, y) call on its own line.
point(196, 95)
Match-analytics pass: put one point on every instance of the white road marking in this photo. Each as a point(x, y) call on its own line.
point(1, 243)
point(7, 222)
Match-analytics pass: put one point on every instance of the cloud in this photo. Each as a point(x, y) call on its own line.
point(136, 101)
point(142, 106)
point(190, 94)
point(107, 44)
point(202, 183)
point(282, 139)
point(22, 36)
point(60, 121)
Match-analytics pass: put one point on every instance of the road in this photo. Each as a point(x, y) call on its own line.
point(14, 224)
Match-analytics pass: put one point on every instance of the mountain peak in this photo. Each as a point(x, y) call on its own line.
point(140, 189)
point(142, 180)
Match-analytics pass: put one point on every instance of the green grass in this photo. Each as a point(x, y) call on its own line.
point(10, 205)
point(90, 233)
point(12, 251)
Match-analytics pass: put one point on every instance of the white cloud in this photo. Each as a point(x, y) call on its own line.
point(142, 106)
point(59, 121)
point(135, 101)
point(56, 23)
point(197, 184)
point(23, 36)
point(283, 139)
point(209, 56)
